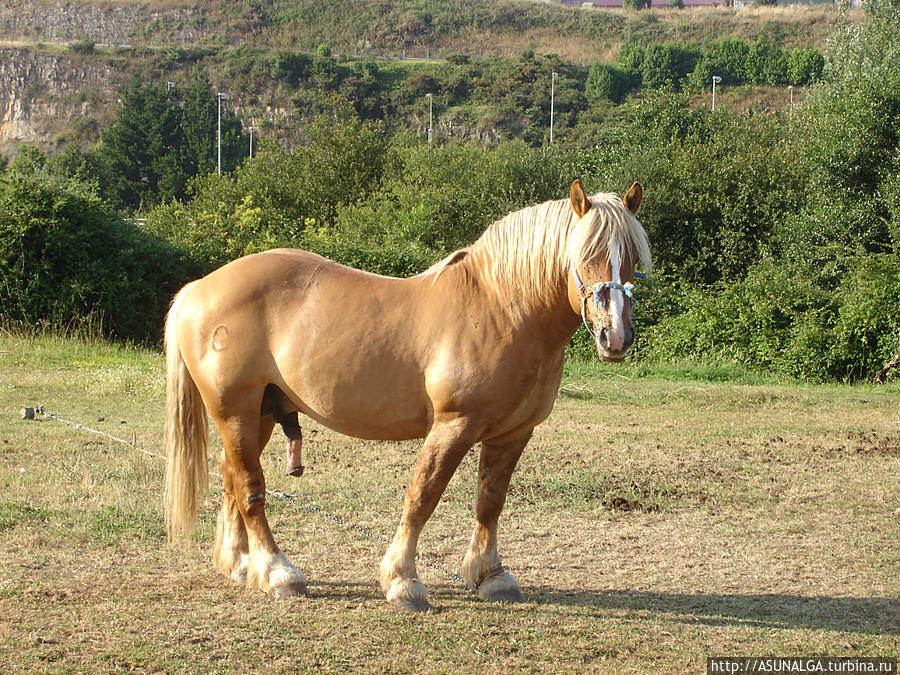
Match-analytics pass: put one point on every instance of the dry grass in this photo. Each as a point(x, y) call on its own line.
point(652, 524)
point(792, 26)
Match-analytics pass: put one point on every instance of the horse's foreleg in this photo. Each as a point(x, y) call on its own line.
point(231, 548)
point(444, 448)
point(267, 567)
point(481, 567)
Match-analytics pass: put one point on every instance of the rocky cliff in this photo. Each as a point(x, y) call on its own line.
point(42, 95)
point(122, 23)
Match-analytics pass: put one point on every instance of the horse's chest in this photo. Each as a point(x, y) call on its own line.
point(526, 396)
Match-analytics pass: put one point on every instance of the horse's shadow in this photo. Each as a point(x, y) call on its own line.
point(875, 615)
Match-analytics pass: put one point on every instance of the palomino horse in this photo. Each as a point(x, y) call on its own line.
point(469, 351)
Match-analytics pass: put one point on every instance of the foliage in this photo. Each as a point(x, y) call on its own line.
point(279, 197)
point(821, 302)
point(162, 138)
point(775, 237)
point(804, 66)
point(705, 224)
point(851, 131)
point(607, 82)
point(64, 256)
point(416, 204)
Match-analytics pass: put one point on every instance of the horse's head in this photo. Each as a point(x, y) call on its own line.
point(601, 282)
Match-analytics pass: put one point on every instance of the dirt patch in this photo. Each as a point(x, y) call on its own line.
point(873, 444)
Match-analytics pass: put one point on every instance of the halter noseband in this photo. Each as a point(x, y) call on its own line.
point(599, 294)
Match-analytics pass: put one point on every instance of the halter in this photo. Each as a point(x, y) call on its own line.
point(600, 295)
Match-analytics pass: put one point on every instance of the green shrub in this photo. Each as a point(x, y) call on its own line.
point(606, 82)
point(804, 66)
point(766, 64)
point(64, 258)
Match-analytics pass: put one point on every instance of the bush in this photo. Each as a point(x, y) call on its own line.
point(766, 64)
point(804, 66)
point(725, 58)
point(85, 46)
point(64, 257)
point(273, 200)
point(665, 65)
point(752, 322)
point(606, 82)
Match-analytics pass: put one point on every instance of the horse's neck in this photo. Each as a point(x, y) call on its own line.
point(547, 316)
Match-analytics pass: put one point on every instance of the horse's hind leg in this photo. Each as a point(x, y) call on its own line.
point(267, 567)
point(441, 454)
point(481, 566)
point(231, 550)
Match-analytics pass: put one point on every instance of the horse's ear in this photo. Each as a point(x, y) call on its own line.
point(632, 198)
point(580, 203)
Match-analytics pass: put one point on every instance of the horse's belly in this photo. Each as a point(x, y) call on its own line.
point(376, 405)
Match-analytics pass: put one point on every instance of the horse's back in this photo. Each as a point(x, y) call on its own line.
point(327, 335)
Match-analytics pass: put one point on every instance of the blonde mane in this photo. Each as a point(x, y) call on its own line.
point(529, 251)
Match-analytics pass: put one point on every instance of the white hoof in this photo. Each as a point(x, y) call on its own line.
point(409, 595)
point(276, 576)
point(501, 588)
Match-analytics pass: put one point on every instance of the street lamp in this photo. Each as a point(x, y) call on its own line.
point(221, 97)
point(791, 90)
point(430, 117)
point(553, 77)
point(716, 80)
point(252, 129)
point(170, 85)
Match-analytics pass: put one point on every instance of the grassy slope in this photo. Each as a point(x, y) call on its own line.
point(476, 27)
point(652, 523)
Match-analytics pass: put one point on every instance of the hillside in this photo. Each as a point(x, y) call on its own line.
point(385, 27)
point(63, 64)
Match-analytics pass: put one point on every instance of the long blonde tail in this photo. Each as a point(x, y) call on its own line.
point(187, 472)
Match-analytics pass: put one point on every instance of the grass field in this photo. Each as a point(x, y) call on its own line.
point(652, 522)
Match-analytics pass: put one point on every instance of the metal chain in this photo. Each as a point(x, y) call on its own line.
point(292, 498)
point(285, 496)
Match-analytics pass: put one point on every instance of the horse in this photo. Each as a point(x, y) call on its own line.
point(469, 351)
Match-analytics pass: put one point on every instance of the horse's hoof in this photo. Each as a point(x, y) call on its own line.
point(409, 595)
point(410, 604)
point(290, 591)
point(502, 595)
point(501, 588)
point(239, 575)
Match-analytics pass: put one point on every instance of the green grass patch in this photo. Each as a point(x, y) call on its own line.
point(14, 514)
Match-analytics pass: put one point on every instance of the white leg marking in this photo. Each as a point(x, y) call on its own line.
point(276, 575)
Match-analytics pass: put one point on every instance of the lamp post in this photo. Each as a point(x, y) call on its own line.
point(553, 77)
point(716, 79)
point(252, 129)
point(430, 117)
point(221, 97)
point(170, 85)
point(791, 90)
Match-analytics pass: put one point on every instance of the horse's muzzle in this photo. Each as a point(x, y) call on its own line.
point(613, 350)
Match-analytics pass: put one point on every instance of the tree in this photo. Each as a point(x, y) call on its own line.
point(161, 139)
point(134, 151)
point(199, 121)
point(607, 82)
